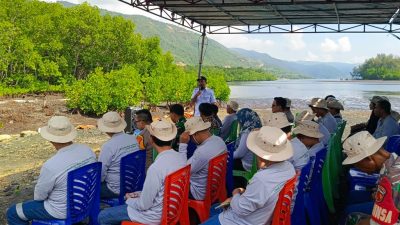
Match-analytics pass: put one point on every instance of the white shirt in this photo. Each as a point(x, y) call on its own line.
point(300, 154)
point(52, 183)
point(147, 208)
point(112, 151)
point(329, 122)
point(327, 136)
point(243, 153)
point(210, 148)
point(206, 96)
point(256, 205)
point(315, 149)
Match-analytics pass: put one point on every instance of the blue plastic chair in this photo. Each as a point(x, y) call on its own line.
point(83, 196)
point(133, 174)
point(360, 181)
point(393, 144)
point(229, 171)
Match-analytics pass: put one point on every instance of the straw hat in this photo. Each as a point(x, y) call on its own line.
point(270, 143)
point(278, 120)
point(304, 115)
point(335, 104)
point(196, 124)
point(360, 146)
point(111, 122)
point(163, 130)
point(318, 103)
point(308, 128)
point(288, 103)
point(59, 129)
point(234, 105)
point(375, 99)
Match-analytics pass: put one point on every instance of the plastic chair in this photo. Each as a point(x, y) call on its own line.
point(393, 144)
point(133, 174)
point(361, 181)
point(247, 174)
point(215, 184)
point(229, 171)
point(176, 195)
point(233, 132)
point(83, 196)
point(281, 214)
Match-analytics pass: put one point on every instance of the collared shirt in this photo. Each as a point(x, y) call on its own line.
point(243, 153)
point(387, 126)
point(180, 125)
point(300, 154)
point(327, 136)
point(315, 149)
point(210, 148)
point(206, 96)
point(338, 117)
point(289, 116)
point(52, 183)
point(147, 208)
point(226, 125)
point(329, 122)
point(112, 151)
point(256, 205)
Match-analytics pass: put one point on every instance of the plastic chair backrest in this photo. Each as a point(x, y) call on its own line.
point(176, 195)
point(330, 174)
point(133, 173)
point(393, 144)
point(229, 168)
point(233, 131)
point(281, 214)
point(216, 177)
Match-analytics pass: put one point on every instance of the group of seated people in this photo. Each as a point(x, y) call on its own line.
point(279, 151)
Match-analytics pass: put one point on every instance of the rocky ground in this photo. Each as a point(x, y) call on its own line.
point(23, 151)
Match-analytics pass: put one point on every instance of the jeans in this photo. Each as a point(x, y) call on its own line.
point(212, 221)
point(106, 193)
point(22, 213)
point(114, 215)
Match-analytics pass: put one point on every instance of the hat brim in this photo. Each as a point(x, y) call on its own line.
point(283, 155)
point(102, 127)
point(299, 131)
point(57, 139)
point(169, 137)
point(204, 126)
point(318, 107)
point(373, 149)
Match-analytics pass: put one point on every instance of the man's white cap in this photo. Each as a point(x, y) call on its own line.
point(111, 122)
point(59, 130)
point(163, 130)
point(196, 124)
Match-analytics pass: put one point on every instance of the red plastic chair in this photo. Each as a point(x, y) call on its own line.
point(176, 195)
point(215, 186)
point(281, 214)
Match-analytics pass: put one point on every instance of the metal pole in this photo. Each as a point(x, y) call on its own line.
point(203, 36)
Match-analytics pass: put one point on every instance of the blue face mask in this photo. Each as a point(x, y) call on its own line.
point(136, 132)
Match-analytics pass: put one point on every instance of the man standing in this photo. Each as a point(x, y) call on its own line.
point(202, 94)
point(387, 125)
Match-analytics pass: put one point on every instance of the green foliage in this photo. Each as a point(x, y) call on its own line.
point(381, 67)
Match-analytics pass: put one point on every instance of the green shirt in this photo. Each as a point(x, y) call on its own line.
point(180, 125)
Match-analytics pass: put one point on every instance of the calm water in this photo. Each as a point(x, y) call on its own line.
point(354, 94)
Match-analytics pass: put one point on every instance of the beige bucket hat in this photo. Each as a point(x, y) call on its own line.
point(278, 120)
point(335, 104)
point(304, 115)
point(288, 103)
point(318, 103)
point(360, 146)
point(196, 124)
point(59, 130)
point(308, 128)
point(270, 143)
point(234, 105)
point(111, 122)
point(163, 130)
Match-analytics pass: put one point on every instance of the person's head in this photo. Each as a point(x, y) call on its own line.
point(214, 109)
point(382, 108)
point(308, 133)
point(304, 115)
point(334, 106)
point(142, 118)
point(59, 131)
point(176, 112)
point(248, 119)
point(374, 100)
point(270, 145)
point(280, 121)
point(330, 97)
point(202, 82)
point(199, 130)
point(111, 123)
point(365, 152)
point(279, 104)
point(288, 104)
point(232, 107)
point(319, 107)
point(162, 134)
point(206, 110)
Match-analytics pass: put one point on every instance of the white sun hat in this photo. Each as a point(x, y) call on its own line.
point(318, 103)
point(270, 143)
point(335, 104)
point(234, 105)
point(278, 120)
point(111, 122)
point(59, 130)
point(163, 130)
point(304, 115)
point(360, 146)
point(308, 128)
point(196, 124)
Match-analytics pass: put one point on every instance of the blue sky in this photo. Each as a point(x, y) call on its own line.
point(351, 48)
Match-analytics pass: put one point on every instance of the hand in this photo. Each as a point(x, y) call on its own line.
point(198, 93)
point(226, 202)
point(185, 137)
point(132, 195)
point(238, 191)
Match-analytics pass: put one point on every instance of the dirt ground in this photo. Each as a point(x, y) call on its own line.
point(22, 157)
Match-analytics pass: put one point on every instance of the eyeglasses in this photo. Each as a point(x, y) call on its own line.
point(137, 121)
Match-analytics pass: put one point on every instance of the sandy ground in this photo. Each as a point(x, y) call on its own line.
point(22, 157)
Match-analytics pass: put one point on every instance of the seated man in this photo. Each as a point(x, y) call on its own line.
point(372, 122)
point(143, 118)
point(387, 125)
point(256, 203)
point(49, 201)
point(208, 146)
point(231, 108)
point(320, 108)
point(146, 206)
point(279, 120)
point(207, 114)
point(306, 116)
point(177, 114)
point(112, 151)
point(287, 111)
point(334, 107)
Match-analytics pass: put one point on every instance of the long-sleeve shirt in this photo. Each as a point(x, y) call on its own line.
point(327, 136)
point(329, 122)
point(300, 154)
point(52, 183)
point(243, 153)
point(206, 96)
point(256, 205)
point(112, 151)
point(387, 126)
point(147, 208)
point(210, 148)
point(226, 125)
point(315, 149)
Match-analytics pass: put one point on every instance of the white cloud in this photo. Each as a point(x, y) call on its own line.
point(244, 42)
point(341, 45)
point(344, 44)
point(295, 41)
point(311, 56)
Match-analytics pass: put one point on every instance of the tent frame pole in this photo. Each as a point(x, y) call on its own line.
point(203, 36)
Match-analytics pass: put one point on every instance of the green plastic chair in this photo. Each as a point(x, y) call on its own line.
point(155, 153)
point(247, 174)
point(233, 132)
